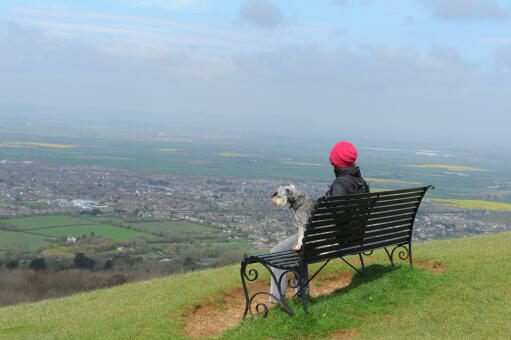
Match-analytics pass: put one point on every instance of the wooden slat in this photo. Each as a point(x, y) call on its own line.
point(379, 226)
point(387, 231)
point(335, 227)
point(333, 241)
point(374, 218)
point(400, 196)
point(401, 191)
point(379, 203)
point(334, 247)
point(390, 236)
point(394, 207)
point(334, 232)
point(343, 209)
point(347, 197)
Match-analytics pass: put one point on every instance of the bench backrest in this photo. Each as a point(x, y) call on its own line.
point(344, 225)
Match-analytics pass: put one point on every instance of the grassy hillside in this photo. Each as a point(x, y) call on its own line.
point(470, 299)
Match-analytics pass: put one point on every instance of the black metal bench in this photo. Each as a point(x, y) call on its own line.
point(340, 226)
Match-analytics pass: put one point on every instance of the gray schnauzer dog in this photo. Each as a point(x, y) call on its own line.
point(299, 202)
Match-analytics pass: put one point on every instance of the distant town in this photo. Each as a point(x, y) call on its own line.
point(237, 206)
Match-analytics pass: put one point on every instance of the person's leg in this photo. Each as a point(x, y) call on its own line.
point(287, 244)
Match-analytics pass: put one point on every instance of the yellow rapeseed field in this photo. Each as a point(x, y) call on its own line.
point(448, 167)
point(473, 204)
point(229, 154)
point(393, 181)
point(32, 144)
point(302, 163)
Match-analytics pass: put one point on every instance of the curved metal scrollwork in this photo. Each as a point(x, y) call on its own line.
point(292, 282)
point(403, 253)
point(252, 274)
point(367, 253)
point(262, 308)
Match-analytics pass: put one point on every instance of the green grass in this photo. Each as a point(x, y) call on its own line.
point(470, 300)
point(11, 239)
point(116, 233)
point(44, 221)
point(177, 226)
point(33, 204)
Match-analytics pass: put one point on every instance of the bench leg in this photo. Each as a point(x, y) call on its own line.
point(302, 282)
point(261, 308)
point(410, 254)
point(361, 260)
point(389, 256)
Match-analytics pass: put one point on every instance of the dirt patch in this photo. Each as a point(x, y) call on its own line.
point(433, 266)
point(217, 313)
point(344, 334)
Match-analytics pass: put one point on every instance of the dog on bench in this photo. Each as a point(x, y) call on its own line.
point(299, 202)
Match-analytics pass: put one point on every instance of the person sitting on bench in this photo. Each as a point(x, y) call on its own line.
point(348, 180)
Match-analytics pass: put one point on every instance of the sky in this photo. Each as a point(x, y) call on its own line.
point(405, 69)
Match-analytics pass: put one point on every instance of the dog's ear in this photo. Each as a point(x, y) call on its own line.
point(274, 194)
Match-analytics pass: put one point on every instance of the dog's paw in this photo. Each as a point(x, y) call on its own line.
point(297, 248)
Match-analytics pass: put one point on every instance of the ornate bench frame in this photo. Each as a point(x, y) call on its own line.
point(337, 227)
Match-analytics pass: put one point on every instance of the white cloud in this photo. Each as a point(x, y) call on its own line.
point(468, 9)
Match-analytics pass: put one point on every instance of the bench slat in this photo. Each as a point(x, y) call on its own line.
point(394, 207)
point(331, 218)
point(332, 245)
point(374, 203)
point(376, 218)
point(354, 250)
point(387, 231)
point(333, 241)
point(338, 232)
point(369, 225)
point(407, 221)
point(379, 194)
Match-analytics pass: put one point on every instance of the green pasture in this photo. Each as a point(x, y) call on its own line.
point(469, 300)
point(11, 239)
point(35, 222)
point(32, 204)
point(116, 233)
point(175, 226)
point(240, 245)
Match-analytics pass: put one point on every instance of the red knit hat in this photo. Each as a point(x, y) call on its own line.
point(343, 155)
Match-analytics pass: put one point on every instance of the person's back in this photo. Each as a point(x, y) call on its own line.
point(348, 179)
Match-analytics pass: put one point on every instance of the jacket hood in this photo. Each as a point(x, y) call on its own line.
point(352, 171)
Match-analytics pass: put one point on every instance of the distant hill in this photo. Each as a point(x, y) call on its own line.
point(462, 292)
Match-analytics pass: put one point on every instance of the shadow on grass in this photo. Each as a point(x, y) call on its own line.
point(368, 274)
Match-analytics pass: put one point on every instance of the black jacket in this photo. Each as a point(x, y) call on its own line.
point(348, 181)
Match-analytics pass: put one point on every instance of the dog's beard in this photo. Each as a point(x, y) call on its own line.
point(278, 201)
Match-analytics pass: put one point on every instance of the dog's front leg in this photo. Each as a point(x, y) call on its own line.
point(300, 239)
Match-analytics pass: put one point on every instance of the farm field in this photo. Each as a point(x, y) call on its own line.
point(175, 226)
point(473, 204)
point(452, 170)
point(35, 222)
point(10, 239)
point(448, 167)
point(116, 233)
